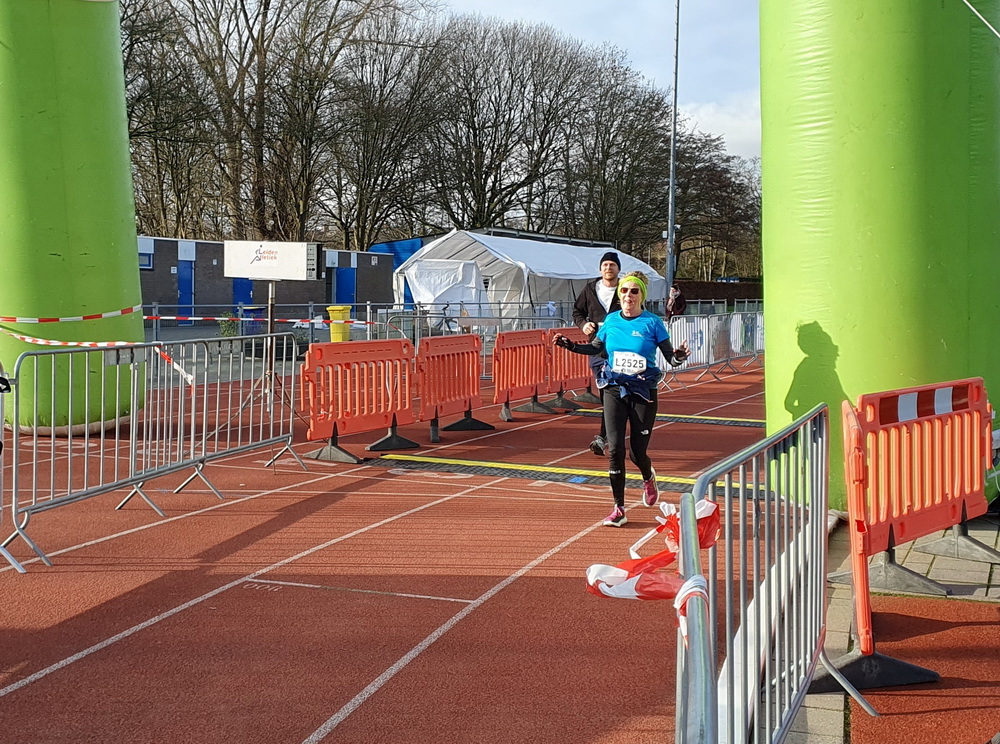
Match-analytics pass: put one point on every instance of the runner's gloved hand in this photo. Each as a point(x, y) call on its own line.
point(564, 342)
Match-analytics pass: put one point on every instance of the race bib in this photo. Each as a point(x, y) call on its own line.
point(629, 363)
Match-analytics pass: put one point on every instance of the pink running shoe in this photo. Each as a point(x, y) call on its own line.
point(616, 518)
point(650, 494)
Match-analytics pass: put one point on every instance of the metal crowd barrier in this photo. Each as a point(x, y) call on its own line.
point(766, 612)
point(140, 412)
point(4, 389)
point(714, 340)
point(746, 336)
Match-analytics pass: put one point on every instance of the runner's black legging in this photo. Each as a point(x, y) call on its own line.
point(596, 363)
point(640, 415)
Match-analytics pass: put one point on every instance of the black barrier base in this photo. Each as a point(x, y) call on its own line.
point(587, 397)
point(886, 575)
point(561, 401)
point(871, 672)
point(534, 407)
point(392, 441)
point(333, 453)
point(467, 423)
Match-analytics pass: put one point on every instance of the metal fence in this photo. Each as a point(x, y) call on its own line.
point(715, 340)
point(372, 320)
point(752, 651)
point(4, 389)
point(89, 421)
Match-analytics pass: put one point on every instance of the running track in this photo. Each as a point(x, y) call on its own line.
point(357, 603)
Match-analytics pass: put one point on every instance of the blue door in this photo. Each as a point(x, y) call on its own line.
point(345, 288)
point(242, 292)
point(185, 290)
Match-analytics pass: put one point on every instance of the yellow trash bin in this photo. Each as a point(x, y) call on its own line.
point(339, 331)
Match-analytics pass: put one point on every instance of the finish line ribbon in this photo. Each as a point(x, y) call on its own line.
point(643, 578)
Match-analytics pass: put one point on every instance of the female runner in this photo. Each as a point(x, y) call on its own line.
point(628, 380)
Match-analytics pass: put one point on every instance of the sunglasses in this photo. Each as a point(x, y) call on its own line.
point(629, 290)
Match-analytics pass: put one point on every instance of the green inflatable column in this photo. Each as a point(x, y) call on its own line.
point(881, 193)
point(67, 216)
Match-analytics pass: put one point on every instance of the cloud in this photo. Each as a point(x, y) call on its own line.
point(737, 119)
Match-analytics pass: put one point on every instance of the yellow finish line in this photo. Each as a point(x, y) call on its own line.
point(525, 468)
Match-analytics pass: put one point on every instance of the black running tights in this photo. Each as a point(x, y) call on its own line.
point(596, 362)
point(640, 415)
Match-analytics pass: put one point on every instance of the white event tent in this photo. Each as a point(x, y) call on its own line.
point(516, 272)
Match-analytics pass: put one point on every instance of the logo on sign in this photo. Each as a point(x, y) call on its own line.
point(264, 254)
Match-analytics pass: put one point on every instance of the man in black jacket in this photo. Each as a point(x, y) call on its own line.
point(592, 306)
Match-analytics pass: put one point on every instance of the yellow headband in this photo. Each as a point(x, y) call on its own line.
point(637, 280)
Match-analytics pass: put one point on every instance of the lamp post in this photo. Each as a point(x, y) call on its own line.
point(668, 268)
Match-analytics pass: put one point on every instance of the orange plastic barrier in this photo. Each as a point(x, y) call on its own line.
point(854, 472)
point(928, 450)
point(915, 462)
point(448, 373)
point(357, 386)
point(520, 364)
point(568, 371)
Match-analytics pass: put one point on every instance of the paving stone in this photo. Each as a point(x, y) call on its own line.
point(798, 737)
point(826, 701)
point(819, 721)
point(958, 576)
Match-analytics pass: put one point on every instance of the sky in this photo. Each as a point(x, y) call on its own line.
point(718, 73)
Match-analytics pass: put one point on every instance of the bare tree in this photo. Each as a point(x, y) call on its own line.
point(360, 120)
point(718, 206)
point(171, 147)
point(507, 89)
point(617, 157)
point(386, 105)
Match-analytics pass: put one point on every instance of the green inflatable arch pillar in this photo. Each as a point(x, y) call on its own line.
point(67, 216)
point(880, 219)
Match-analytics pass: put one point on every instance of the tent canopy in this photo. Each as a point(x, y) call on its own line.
point(438, 280)
point(518, 271)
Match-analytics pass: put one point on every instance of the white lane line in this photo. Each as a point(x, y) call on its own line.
point(168, 520)
point(361, 471)
point(337, 718)
point(13, 687)
point(361, 591)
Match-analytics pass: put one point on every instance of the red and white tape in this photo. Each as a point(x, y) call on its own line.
point(51, 342)
point(251, 319)
point(98, 345)
point(71, 318)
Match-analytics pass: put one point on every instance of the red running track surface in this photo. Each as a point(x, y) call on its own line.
point(356, 603)
point(958, 639)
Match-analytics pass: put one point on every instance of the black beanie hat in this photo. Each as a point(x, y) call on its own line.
point(611, 256)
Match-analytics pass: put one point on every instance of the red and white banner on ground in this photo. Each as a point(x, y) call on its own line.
point(644, 578)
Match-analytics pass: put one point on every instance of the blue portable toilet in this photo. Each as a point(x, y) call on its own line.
point(401, 250)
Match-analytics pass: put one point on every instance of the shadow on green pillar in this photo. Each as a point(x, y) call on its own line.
point(816, 381)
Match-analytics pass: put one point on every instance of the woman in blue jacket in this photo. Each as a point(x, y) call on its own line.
point(628, 382)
